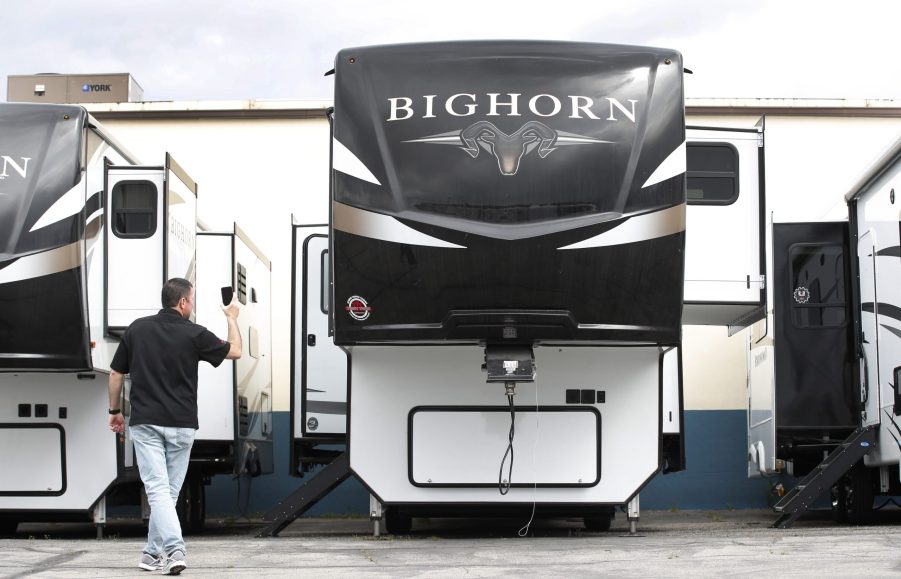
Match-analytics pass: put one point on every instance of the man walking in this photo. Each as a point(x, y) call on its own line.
point(161, 353)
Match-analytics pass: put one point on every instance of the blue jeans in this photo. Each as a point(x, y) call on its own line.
point(162, 453)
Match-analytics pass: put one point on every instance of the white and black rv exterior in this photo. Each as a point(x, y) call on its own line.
point(824, 382)
point(88, 238)
point(875, 224)
point(512, 198)
point(513, 205)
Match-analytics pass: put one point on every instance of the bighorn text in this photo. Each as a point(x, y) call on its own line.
point(7, 163)
point(512, 105)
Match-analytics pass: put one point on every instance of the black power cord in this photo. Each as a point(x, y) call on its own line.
point(503, 486)
point(524, 531)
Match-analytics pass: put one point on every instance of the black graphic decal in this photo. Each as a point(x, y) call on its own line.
point(888, 310)
point(895, 424)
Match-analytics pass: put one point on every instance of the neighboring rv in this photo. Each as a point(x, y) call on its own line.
point(505, 273)
point(824, 377)
point(87, 238)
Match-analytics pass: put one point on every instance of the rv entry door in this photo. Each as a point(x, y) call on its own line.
point(815, 392)
point(320, 367)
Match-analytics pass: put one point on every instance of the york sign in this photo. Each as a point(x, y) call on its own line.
point(96, 88)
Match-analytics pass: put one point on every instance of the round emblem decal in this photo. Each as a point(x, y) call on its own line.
point(357, 308)
point(312, 424)
point(802, 295)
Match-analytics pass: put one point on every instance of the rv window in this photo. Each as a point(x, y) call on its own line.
point(134, 209)
point(712, 175)
point(818, 285)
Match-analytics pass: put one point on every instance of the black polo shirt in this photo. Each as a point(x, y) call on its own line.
point(162, 353)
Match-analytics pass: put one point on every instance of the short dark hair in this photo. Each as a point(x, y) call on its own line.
point(175, 289)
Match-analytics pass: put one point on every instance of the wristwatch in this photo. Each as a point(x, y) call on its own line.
point(115, 410)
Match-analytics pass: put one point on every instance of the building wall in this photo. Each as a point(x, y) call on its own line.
point(267, 169)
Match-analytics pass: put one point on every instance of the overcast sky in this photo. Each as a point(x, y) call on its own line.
point(279, 49)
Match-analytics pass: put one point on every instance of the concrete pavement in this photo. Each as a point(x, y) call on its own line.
point(672, 544)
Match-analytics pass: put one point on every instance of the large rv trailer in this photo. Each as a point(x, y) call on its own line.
point(825, 374)
point(505, 272)
point(87, 238)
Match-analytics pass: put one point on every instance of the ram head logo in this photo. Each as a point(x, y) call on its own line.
point(508, 149)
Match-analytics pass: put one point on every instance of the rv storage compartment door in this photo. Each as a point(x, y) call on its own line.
point(22, 474)
point(448, 446)
point(723, 245)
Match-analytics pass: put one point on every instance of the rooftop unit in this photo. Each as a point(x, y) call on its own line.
point(73, 88)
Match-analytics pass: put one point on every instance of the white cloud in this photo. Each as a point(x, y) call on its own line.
point(265, 49)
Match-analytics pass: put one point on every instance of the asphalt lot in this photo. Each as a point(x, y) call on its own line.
point(670, 544)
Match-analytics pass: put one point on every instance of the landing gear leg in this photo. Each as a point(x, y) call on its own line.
point(375, 514)
point(100, 516)
point(633, 513)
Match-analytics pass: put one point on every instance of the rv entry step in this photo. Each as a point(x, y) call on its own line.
point(301, 500)
point(826, 474)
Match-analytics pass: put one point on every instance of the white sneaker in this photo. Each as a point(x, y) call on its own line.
point(175, 563)
point(150, 563)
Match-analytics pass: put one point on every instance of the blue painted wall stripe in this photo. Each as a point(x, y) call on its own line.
point(716, 477)
point(716, 474)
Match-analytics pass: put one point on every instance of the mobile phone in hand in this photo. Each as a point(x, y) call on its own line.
point(227, 293)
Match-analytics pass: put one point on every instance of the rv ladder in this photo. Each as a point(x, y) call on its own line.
point(859, 444)
point(301, 500)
